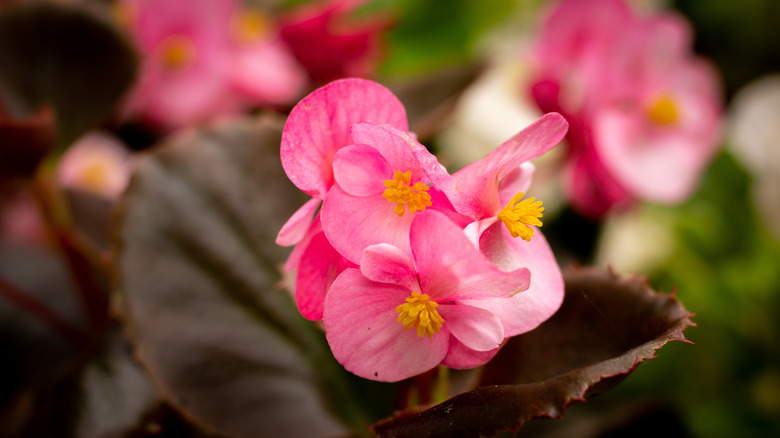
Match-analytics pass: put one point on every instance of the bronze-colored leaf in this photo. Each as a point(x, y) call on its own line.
point(198, 267)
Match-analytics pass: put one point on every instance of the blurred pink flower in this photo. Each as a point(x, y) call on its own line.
point(645, 113)
point(97, 163)
point(205, 58)
point(396, 316)
point(330, 44)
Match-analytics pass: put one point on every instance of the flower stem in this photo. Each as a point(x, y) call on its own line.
point(83, 261)
point(42, 313)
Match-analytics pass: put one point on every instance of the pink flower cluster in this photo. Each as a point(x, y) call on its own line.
point(203, 58)
point(408, 266)
point(645, 113)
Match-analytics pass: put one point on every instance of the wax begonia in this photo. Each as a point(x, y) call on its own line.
point(407, 266)
point(205, 58)
point(394, 317)
point(318, 127)
point(644, 112)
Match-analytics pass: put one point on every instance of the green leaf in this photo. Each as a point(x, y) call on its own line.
point(606, 326)
point(198, 268)
point(67, 55)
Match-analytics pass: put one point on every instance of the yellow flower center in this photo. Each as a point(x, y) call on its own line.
point(94, 175)
point(420, 312)
point(176, 53)
point(518, 215)
point(663, 111)
point(399, 191)
point(250, 25)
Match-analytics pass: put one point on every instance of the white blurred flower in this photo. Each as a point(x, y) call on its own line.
point(755, 140)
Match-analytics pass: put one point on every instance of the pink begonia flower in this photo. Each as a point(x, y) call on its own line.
point(382, 181)
point(490, 190)
point(205, 58)
point(97, 163)
point(505, 228)
point(397, 315)
point(330, 44)
point(644, 112)
point(318, 126)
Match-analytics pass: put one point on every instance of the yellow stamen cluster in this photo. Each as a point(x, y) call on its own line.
point(663, 111)
point(518, 215)
point(420, 312)
point(176, 53)
point(95, 175)
point(250, 26)
point(400, 192)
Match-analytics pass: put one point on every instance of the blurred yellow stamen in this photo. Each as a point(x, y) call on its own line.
point(518, 215)
point(176, 52)
point(663, 111)
point(250, 26)
point(400, 192)
point(420, 312)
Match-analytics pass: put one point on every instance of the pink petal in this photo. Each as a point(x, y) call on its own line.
point(591, 189)
point(476, 328)
point(320, 265)
point(460, 357)
point(401, 151)
point(384, 263)
point(519, 180)
point(451, 268)
point(352, 223)
point(319, 125)
point(474, 189)
point(363, 332)
point(299, 223)
point(267, 73)
point(361, 170)
point(662, 167)
point(525, 311)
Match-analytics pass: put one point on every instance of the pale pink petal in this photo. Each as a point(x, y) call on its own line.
point(361, 170)
point(517, 181)
point(473, 190)
point(662, 167)
point(319, 125)
point(299, 223)
point(460, 357)
point(474, 230)
point(267, 73)
point(320, 265)
point(385, 263)
point(363, 332)
point(352, 223)
point(401, 151)
point(451, 268)
point(525, 311)
point(295, 256)
point(476, 328)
